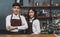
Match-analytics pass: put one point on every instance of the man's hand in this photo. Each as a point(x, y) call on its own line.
point(23, 24)
point(12, 27)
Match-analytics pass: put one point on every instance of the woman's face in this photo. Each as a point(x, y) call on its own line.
point(31, 13)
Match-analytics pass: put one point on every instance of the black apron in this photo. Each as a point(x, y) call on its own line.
point(29, 30)
point(16, 22)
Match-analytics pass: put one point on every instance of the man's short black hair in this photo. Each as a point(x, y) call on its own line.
point(16, 4)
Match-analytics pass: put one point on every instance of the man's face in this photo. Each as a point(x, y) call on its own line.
point(16, 10)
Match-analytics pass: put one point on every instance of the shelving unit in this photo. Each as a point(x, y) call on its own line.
point(45, 20)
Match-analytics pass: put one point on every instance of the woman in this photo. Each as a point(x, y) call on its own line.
point(33, 22)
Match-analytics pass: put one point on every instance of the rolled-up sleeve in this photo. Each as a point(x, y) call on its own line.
point(24, 22)
point(7, 22)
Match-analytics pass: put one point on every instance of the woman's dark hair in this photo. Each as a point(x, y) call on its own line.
point(35, 13)
point(16, 4)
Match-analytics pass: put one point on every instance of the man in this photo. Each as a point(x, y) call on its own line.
point(15, 22)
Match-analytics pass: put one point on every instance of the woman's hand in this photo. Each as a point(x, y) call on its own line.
point(33, 34)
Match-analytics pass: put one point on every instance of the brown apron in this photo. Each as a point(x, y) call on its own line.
point(16, 22)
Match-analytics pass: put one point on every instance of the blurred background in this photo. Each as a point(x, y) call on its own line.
point(48, 12)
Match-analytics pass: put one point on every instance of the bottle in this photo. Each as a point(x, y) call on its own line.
point(20, 2)
point(52, 2)
point(37, 3)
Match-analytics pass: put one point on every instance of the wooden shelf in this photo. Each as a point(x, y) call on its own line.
point(35, 6)
point(56, 17)
point(38, 16)
point(40, 6)
point(43, 17)
point(53, 7)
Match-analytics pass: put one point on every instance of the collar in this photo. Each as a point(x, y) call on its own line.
point(32, 18)
point(15, 15)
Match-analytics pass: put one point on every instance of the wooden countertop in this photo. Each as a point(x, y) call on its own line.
point(29, 35)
